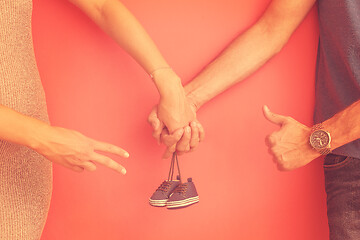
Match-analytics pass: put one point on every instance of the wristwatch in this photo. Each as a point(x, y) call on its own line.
point(320, 139)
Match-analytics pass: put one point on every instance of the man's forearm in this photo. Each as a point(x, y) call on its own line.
point(238, 61)
point(344, 127)
point(251, 50)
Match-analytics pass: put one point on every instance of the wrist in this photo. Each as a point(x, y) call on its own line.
point(167, 82)
point(37, 135)
point(194, 101)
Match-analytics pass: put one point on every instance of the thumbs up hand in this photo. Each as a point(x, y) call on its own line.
point(290, 145)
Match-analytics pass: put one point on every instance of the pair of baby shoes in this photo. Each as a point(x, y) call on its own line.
point(173, 193)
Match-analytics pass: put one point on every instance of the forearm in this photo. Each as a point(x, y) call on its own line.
point(18, 128)
point(249, 51)
point(344, 127)
point(121, 25)
point(124, 28)
point(239, 60)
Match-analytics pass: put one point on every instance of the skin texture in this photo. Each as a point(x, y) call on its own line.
point(66, 147)
point(117, 21)
point(290, 145)
point(70, 148)
point(241, 58)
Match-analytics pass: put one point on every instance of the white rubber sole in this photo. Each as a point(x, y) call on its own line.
point(182, 203)
point(158, 203)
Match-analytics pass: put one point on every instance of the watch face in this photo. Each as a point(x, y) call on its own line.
point(319, 139)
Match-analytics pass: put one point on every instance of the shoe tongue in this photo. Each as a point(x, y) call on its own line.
point(189, 179)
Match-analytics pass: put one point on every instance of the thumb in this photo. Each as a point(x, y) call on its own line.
point(273, 117)
point(172, 139)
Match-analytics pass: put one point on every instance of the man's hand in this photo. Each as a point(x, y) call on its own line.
point(290, 145)
point(182, 143)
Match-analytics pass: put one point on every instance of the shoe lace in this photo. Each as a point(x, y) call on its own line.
point(181, 189)
point(164, 187)
point(172, 167)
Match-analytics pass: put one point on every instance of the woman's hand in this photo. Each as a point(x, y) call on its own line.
point(174, 110)
point(75, 151)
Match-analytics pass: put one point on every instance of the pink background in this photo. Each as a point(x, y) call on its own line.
point(94, 87)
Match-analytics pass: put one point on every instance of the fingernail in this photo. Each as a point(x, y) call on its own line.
point(193, 124)
point(126, 155)
point(123, 171)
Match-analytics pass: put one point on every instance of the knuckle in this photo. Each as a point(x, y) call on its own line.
point(171, 149)
point(271, 139)
point(180, 148)
point(150, 118)
point(168, 141)
point(193, 148)
point(155, 134)
point(273, 152)
point(285, 167)
point(194, 144)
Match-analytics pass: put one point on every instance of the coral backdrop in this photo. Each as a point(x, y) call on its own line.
point(94, 87)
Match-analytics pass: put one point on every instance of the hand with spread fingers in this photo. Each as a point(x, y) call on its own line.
point(290, 145)
point(75, 151)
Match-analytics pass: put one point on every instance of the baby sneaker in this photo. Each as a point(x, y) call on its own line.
point(161, 195)
point(185, 194)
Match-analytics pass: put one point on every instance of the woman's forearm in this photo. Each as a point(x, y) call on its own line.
point(117, 21)
point(121, 25)
point(18, 128)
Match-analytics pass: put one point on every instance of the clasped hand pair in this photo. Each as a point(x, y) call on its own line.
point(178, 130)
point(289, 146)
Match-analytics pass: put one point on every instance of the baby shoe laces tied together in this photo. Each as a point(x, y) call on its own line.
point(173, 193)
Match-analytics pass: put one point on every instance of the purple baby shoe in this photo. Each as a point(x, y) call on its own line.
point(161, 195)
point(185, 194)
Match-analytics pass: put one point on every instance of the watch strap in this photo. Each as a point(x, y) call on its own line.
point(318, 126)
